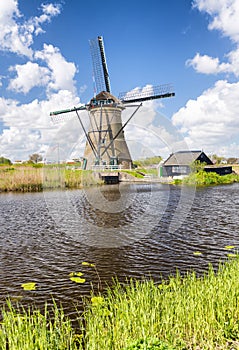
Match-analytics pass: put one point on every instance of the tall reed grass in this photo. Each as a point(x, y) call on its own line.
point(21, 178)
point(22, 329)
point(187, 312)
point(33, 179)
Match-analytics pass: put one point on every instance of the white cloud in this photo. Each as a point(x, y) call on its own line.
point(30, 128)
point(35, 114)
point(211, 120)
point(16, 141)
point(17, 37)
point(208, 65)
point(7, 9)
point(58, 75)
point(62, 72)
point(29, 75)
point(224, 13)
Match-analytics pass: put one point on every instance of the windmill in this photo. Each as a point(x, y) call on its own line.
point(105, 141)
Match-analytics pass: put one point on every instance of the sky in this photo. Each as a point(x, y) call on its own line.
point(45, 65)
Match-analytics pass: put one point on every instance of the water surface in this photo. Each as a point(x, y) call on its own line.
point(126, 230)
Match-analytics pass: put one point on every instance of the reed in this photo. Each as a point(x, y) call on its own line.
point(22, 329)
point(33, 179)
point(21, 178)
point(187, 312)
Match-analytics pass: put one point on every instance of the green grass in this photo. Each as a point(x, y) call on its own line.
point(32, 330)
point(134, 173)
point(202, 178)
point(141, 172)
point(183, 313)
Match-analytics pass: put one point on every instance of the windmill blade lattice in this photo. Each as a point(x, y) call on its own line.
point(100, 70)
point(64, 114)
point(148, 93)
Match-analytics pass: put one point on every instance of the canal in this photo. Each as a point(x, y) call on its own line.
point(126, 230)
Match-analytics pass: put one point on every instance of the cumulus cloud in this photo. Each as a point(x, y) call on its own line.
point(224, 18)
point(212, 119)
point(28, 76)
point(36, 113)
point(29, 126)
point(211, 65)
point(57, 74)
point(224, 14)
point(16, 35)
point(208, 65)
point(62, 72)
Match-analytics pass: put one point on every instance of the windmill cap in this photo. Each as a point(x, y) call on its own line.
point(104, 95)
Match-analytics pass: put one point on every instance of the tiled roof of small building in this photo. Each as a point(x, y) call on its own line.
point(183, 158)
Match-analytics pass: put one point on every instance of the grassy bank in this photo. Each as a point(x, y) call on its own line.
point(187, 312)
point(33, 330)
point(183, 313)
point(202, 178)
point(32, 179)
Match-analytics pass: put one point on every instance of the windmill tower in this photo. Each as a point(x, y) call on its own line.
point(105, 124)
point(105, 142)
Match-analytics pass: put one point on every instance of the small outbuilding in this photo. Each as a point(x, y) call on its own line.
point(179, 163)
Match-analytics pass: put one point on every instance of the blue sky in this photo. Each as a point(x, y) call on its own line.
point(45, 65)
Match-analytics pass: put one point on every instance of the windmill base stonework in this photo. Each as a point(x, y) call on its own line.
point(106, 145)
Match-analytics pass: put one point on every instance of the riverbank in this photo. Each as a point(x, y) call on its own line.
point(36, 178)
point(203, 178)
point(184, 312)
point(33, 178)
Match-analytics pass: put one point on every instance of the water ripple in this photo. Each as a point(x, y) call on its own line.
point(34, 247)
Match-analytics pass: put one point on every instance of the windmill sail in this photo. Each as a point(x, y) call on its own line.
point(100, 70)
point(146, 94)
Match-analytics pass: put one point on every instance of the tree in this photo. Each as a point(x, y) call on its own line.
point(35, 158)
point(4, 160)
point(217, 159)
point(149, 161)
point(197, 166)
point(232, 160)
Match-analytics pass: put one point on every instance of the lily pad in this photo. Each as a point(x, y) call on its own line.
point(77, 279)
point(97, 300)
point(87, 264)
point(231, 255)
point(72, 274)
point(197, 253)
point(29, 286)
point(228, 247)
